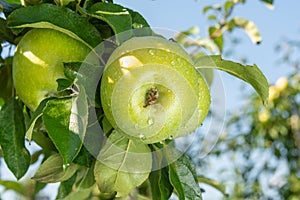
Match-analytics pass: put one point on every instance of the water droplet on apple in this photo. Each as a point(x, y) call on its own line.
point(65, 166)
point(151, 52)
point(142, 136)
point(150, 121)
point(173, 63)
point(139, 26)
point(171, 137)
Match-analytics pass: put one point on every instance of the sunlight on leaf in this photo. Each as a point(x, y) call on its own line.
point(249, 27)
point(250, 74)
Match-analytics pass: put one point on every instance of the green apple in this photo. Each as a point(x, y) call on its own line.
point(38, 63)
point(151, 90)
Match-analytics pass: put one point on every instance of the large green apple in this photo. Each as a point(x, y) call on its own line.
point(38, 63)
point(151, 90)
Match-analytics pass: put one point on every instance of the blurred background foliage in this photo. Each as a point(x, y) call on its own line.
point(258, 156)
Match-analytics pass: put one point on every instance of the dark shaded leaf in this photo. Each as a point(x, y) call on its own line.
point(39, 186)
point(138, 21)
point(65, 187)
point(5, 32)
point(84, 158)
point(161, 188)
point(268, 2)
point(12, 137)
point(116, 16)
point(13, 1)
point(139, 24)
point(58, 18)
point(250, 74)
point(8, 7)
point(6, 82)
point(183, 177)
point(63, 84)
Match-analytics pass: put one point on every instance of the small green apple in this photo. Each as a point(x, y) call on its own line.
point(38, 63)
point(151, 90)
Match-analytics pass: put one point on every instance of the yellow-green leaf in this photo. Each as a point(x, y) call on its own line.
point(247, 73)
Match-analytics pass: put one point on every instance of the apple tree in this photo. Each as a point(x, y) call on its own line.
point(104, 96)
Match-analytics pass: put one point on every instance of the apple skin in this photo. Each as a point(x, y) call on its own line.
point(143, 63)
point(38, 63)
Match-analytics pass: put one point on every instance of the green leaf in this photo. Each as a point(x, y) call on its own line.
point(228, 5)
point(214, 184)
point(116, 16)
point(80, 193)
point(85, 75)
point(13, 1)
point(65, 187)
point(35, 116)
point(206, 8)
point(138, 21)
point(58, 18)
point(139, 24)
point(249, 27)
point(250, 74)
point(106, 126)
point(63, 84)
point(161, 188)
point(122, 165)
point(13, 185)
point(12, 137)
point(6, 81)
point(5, 32)
point(218, 40)
point(8, 8)
point(269, 3)
point(88, 179)
point(66, 121)
point(183, 177)
point(52, 170)
point(41, 138)
point(84, 157)
point(84, 185)
point(212, 17)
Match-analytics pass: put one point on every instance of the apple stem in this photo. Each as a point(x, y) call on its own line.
point(151, 96)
